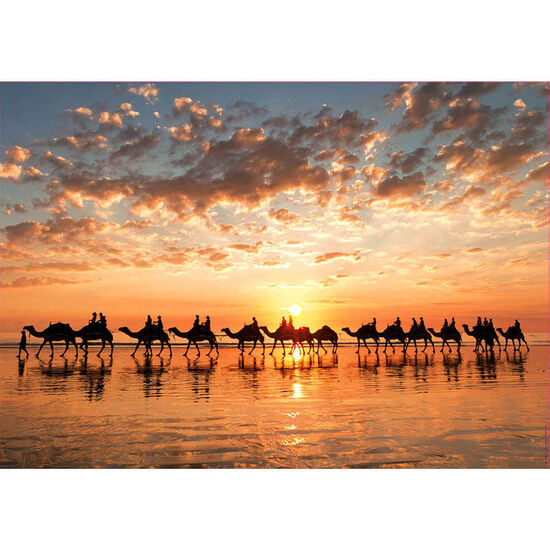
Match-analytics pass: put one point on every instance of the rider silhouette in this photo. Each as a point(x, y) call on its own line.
point(517, 325)
point(196, 322)
point(158, 322)
point(92, 320)
point(397, 322)
point(207, 323)
point(453, 322)
point(102, 320)
point(479, 323)
point(373, 322)
point(422, 325)
point(485, 322)
point(149, 321)
point(415, 324)
point(491, 324)
point(445, 323)
point(283, 322)
point(254, 322)
point(290, 321)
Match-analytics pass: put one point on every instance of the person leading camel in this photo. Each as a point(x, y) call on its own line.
point(23, 344)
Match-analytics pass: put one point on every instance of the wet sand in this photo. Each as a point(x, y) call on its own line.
point(424, 410)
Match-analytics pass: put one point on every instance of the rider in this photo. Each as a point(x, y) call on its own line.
point(445, 323)
point(415, 324)
point(283, 322)
point(479, 323)
point(196, 322)
point(397, 322)
point(102, 320)
point(422, 325)
point(149, 321)
point(517, 325)
point(254, 322)
point(485, 322)
point(290, 321)
point(453, 322)
point(491, 326)
point(207, 323)
point(93, 319)
point(373, 322)
point(158, 322)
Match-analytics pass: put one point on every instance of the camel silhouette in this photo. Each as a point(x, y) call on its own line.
point(92, 332)
point(325, 333)
point(146, 336)
point(482, 334)
point(296, 335)
point(362, 334)
point(248, 333)
point(419, 332)
point(513, 333)
point(447, 333)
point(58, 332)
point(391, 332)
point(197, 334)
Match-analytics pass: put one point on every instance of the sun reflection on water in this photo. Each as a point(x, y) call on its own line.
point(297, 391)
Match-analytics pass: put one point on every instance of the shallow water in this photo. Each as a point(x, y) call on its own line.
point(420, 410)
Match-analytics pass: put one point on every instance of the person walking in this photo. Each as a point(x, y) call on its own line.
point(23, 344)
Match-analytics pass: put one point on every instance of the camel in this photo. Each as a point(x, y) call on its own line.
point(248, 333)
point(393, 332)
point(54, 333)
point(419, 333)
point(325, 333)
point(146, 336)
point(197, 335)
point(482, 334)
point(363, 333)
point(297, 335)
point(92, 332)
point(513, 333)
point(447, 333)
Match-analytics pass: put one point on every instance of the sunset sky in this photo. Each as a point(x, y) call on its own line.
point(352, 200)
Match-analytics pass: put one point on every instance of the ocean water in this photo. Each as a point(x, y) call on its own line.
point(423, 410)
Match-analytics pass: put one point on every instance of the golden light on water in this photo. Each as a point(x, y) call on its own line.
point(297, 391)
point(297, 354)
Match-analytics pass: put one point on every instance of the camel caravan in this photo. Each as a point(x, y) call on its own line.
point(96, 330)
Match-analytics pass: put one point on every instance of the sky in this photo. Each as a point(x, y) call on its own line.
point(231, 200)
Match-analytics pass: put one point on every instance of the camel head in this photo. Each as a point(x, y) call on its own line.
point(124, 329)
point(172, 330)
point(226, 330)
point(28, 328)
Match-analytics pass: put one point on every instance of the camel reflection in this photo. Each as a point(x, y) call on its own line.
point(152, 375)
point(201, 373)
point(93, 374)
point(451, 363)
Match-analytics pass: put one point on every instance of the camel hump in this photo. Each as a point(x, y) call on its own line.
point(59, 326)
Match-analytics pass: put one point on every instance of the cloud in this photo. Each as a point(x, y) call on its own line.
point(408, 162)
point(18, 155)
point(331, 256)
point(283, 215)
point(136, 148)
point(84, 143)
point(538, 174)
point(22, 282)
point(405, 187)
point(113, 120)
point(476, 89)
point(149, 91)
point(56, 161)
point(10, 171)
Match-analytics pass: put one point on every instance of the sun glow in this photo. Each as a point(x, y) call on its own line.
point(294, 309)
point(297, 353)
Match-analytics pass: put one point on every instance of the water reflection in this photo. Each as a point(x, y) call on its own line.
point(342, 410)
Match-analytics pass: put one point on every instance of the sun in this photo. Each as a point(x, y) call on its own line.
point(294, 309)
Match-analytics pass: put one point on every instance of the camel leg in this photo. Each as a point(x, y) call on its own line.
point(365, 344)
point(273, 348)
point(335, 347)
point(415, 347)
point(169, 347)
point(211, 348)
point(320, 343)
point(253, 347)
point(112, 347)
point(283, 344)
point(377, 344)
point(525, 342)
point(102, 347)
point(358, 345)
point(459, 343)
point(161, 348)
point(187, 349)
point(425, 345)
point(40, 348)
point(66, 348)
point(432, 343)
point(135, 349)
point(51, 349)
point(198, 350)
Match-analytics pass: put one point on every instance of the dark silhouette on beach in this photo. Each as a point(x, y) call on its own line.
point(147, 335)
point(484, 333)
point(93, 331)
point(57, 332)
point(249, 333)
point(327, 334)
point(285, 332)
point(513, 333)
point(448, 332)
point(23, 344)
point(198, 333)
